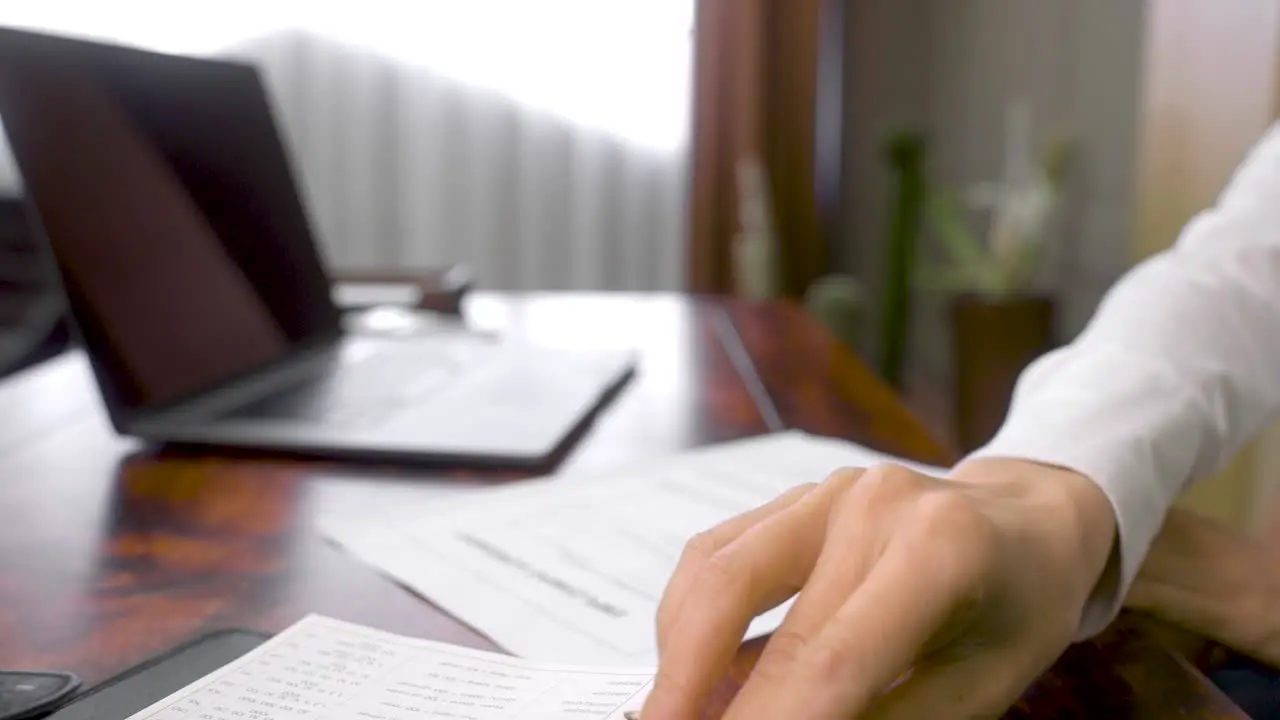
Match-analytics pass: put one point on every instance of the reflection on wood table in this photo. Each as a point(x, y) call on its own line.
point(111, 552)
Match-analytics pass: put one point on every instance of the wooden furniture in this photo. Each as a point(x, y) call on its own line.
point(767, 89)
point(110, 552)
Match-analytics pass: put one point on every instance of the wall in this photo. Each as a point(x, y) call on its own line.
point(887, 65)
point(1210, 92)
point(1164, 96)
point(951, 67)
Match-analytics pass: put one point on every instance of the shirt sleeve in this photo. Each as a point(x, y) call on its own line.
point(1177, 370)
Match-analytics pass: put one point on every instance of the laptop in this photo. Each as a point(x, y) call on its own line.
point(164, 191)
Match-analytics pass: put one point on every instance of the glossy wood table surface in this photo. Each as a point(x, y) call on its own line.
point(111, 552)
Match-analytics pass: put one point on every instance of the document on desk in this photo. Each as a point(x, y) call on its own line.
point(324, 669)
point(571, 570)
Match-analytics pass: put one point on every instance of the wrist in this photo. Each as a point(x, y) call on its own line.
point(1070, 507)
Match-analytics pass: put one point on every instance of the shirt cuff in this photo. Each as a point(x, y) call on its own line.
point(1121, 422)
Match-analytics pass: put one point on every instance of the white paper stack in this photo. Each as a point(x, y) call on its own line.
point(571, 570)
point(323, 669)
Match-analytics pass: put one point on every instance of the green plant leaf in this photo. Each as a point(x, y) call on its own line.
point(944, 280)
point(1057, 156)
point(965, 248)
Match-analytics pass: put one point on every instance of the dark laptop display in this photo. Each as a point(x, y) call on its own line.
point(163, 188)
point(171, 210)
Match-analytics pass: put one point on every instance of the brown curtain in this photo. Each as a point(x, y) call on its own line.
point(756, 80)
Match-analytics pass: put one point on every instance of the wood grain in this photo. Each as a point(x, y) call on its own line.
point(759, 82)
point(111, 552)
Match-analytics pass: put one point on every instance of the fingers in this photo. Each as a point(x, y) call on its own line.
point(875, 636)
point(852, 547)
point(763, 567)
point(702, 548)
point(759, 570)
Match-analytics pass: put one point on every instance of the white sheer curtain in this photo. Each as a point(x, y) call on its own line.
point(541, 142)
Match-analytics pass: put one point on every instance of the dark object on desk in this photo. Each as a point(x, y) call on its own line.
point(441, 290)
point(26, 695)
point(162, 186)
point(1251, 685)
point(138, 688)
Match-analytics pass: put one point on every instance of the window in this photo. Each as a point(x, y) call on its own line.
point(621, 65)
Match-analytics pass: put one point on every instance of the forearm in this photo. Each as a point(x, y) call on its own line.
point(1216, 581)
point(1177, 370)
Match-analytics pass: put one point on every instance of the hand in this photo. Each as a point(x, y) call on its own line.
point(1214, 581)
point(918, 597)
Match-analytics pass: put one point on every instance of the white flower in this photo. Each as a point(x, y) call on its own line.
point(1025, 198)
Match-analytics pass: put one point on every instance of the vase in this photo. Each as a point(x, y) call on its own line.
point(993, 341)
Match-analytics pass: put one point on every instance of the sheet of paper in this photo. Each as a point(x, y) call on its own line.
point(323, 669)
point(572, 571)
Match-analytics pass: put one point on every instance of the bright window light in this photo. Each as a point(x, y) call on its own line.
point(622, 66)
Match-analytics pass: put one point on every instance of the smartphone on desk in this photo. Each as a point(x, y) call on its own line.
point(140, 687)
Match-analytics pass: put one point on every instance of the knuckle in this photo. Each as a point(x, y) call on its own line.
point(894, 472)
point(947, 510)
point(892, 481)
point(727, 571)
point(844, 478)
point(700, 548)
point(878, 489)
point(951, 515)
point(960, 538)
point(803, 489)
point(828, 663)
point(781, 655)
point(798, 494)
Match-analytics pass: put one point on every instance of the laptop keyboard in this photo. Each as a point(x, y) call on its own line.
point(373, 387)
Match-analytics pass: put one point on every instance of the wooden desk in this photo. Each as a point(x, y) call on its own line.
point(110, 553)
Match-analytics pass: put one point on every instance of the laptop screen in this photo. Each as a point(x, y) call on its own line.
point(163, 189)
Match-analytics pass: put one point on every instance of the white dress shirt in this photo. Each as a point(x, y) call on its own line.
point(1178, 369)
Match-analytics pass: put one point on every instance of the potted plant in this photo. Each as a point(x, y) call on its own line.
point(1000, 320)
point(906, 153)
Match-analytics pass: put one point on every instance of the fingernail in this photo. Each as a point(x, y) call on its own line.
point(631, 715)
